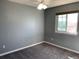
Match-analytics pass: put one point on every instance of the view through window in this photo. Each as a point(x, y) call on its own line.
point(67, 23)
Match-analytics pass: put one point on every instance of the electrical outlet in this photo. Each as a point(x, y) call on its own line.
point(3, 46)
point(52, 39)
point(70, 57)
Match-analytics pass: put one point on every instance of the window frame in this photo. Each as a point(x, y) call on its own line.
point(56, 22)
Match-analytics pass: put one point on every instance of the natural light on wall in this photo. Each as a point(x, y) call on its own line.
point(67, 23)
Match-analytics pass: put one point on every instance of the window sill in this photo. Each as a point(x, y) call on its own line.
point(75, 34)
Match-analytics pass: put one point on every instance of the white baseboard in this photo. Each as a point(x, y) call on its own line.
point(62, 47)
point(37, 44)
point(20, 48)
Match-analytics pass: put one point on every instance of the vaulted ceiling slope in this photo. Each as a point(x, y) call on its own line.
point(50, 3)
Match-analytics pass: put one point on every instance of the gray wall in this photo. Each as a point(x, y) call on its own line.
point(64, 40)
point(20, 25)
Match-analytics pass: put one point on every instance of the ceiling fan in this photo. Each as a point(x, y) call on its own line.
point(41, 4)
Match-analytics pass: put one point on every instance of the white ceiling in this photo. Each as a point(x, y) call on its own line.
point(50, 3)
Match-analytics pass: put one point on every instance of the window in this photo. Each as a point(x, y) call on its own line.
point(67, 23)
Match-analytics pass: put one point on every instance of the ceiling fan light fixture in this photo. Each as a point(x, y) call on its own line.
point(44, 6)
point(41, 6)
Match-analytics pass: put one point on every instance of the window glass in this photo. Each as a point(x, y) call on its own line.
point(72, 23)
point(62, 23)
